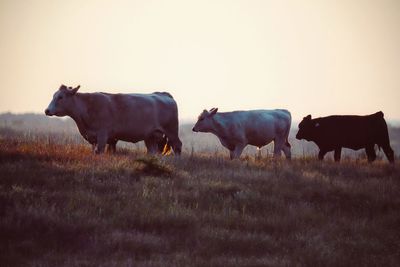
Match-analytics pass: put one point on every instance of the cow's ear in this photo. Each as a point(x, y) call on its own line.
point(213, 111)
point(73, 91)
point(308, 117)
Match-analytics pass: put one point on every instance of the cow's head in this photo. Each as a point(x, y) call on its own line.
point(307, 129)
point(62, 101)
point(204, 122)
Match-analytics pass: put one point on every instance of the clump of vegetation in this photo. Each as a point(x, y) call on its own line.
point(152, 166)
point(60, 205)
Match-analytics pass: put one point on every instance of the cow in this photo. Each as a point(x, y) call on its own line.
point(238, 129)
point(350, 131)
point(104, 118)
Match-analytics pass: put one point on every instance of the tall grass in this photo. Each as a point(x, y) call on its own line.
point(60, 205)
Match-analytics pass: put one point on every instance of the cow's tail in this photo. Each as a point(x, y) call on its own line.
point(288, 130)
point(383, 134)
point(287, 143)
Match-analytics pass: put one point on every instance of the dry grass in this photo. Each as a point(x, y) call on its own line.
point(62, 206)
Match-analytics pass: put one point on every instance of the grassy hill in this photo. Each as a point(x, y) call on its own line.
point(60, 205)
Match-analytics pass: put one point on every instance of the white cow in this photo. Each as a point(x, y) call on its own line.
point(104, 118)
point(237, 129)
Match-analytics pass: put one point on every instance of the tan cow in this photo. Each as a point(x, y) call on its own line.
point(237, 129)
point(106, 118)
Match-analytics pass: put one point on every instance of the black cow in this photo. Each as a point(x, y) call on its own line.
point(355, 132)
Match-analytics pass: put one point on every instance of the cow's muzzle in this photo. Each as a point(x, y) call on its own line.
point(47, 112)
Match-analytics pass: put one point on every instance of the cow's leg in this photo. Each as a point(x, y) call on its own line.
point(151, 145)
point(321, 154)
point(162, 143)
point(175, 143)
point(370, 150)
point(158, 139)
point(286, 150)
point(177, 146)
point(336, 155)
point(278, 147)
point(94, 145)
point(172, 133)
point(232, 154)
point(112, 146)
point(389, 153)
point(153, 142)
point(101, 142)
point(237, 151)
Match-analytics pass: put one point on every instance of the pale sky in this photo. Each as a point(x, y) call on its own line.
point(311, 57)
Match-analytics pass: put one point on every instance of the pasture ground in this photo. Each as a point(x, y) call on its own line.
point(62, 206)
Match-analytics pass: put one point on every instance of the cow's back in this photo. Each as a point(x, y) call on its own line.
point(278, 118)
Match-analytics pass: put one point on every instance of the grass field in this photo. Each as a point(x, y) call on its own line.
point(62, 206)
